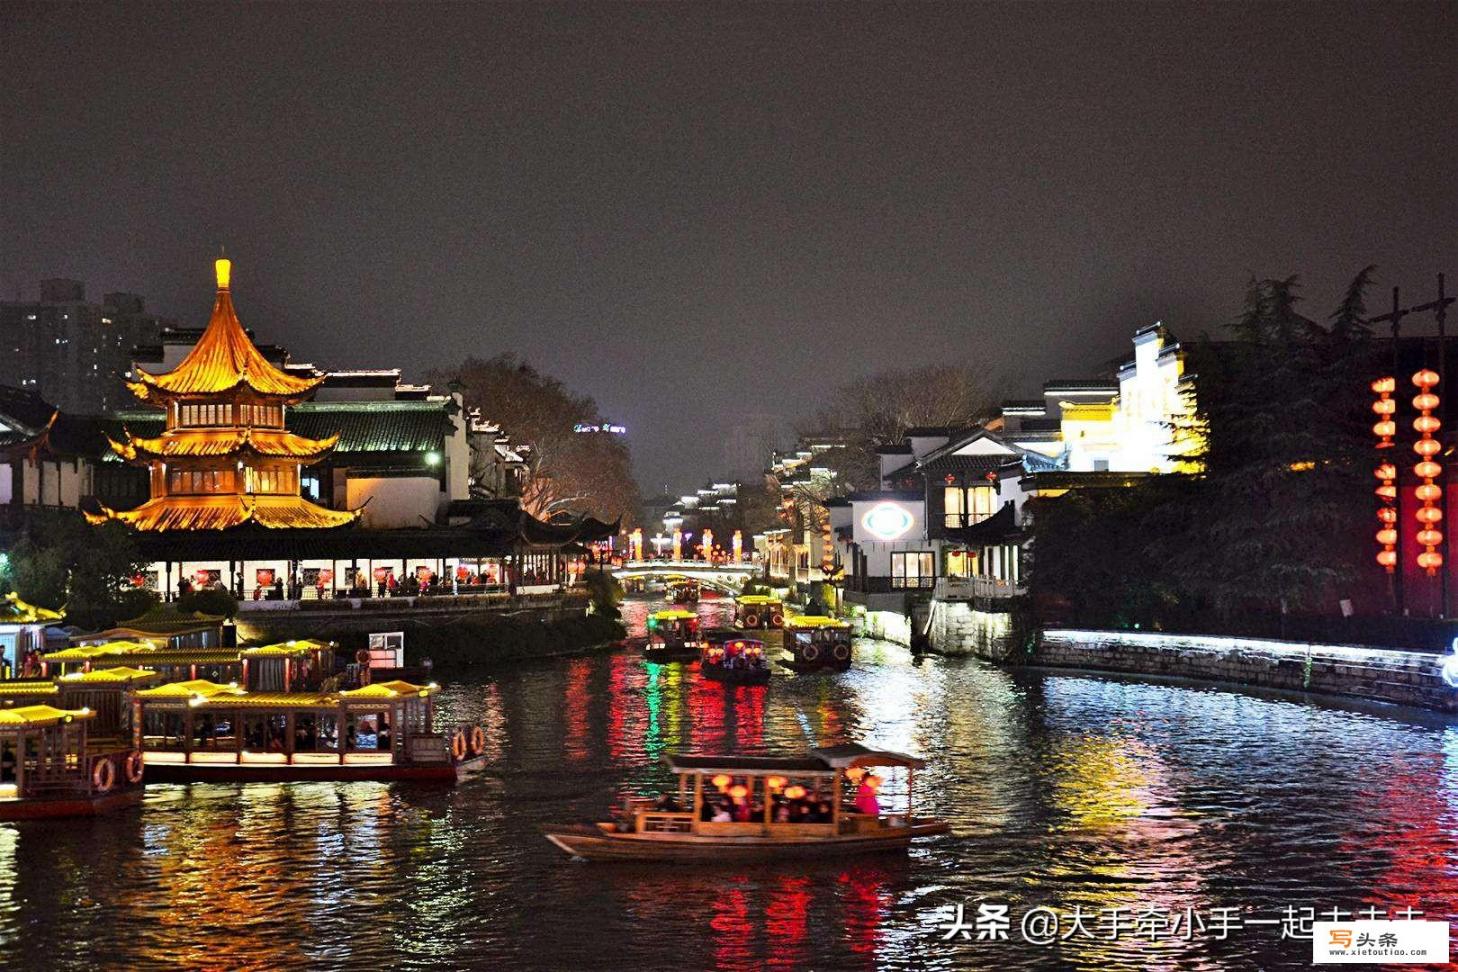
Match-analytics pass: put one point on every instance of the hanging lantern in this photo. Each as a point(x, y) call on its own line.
point(739, 791)
point(1429, 514)
point(722, 780)
point(1386, 472)
point(794, 792)
point(775, 782)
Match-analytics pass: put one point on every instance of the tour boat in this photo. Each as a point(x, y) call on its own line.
point(817, 643)
point(764, 790)
point(200, 731)
point(726, 656)
point(673, 635)
point(756, 611)
point(683, 592)
point(50, 768)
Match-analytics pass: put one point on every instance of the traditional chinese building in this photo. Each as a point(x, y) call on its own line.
point(224, 457)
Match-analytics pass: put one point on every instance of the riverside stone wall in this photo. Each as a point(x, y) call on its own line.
point(962, 628)
point(1386, 675)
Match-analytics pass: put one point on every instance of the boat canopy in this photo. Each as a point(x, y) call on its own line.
point(11, 690)
point(675, 614)
point(758, 599)
point(397, 689)
point(287, 649)
point(747, 765)
point(121, 675)
point(81, 653)
point(36, 716)
point(815, 621)
point(854, 754)
point(190, 656)
point(198, 688)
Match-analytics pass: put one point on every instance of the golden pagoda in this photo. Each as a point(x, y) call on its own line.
point(224, 458)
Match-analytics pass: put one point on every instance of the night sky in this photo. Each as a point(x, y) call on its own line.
point(697, 212)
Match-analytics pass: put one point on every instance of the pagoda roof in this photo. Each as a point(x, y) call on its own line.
point(223, 512)
point(223, 359)
point(199, 443)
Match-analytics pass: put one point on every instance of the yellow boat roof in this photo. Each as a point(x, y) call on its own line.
point(15, 611)
point(10, 690)
point(815, 621)
point(108, 649)
point(33, 716)
point(285, 649)
point(676, 614)
point(121, 675)
point(758, 599)
point(396, 689)
point(198, 688)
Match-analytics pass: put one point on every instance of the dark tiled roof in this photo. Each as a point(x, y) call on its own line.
point(373, 426)
point(968, 465)
point(1081, 384)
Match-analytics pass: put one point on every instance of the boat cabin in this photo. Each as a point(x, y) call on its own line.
point(734, 659)
point(816, 641)
point(203, 730)
point(49, 768)
point(674, 625)
point(755, 611)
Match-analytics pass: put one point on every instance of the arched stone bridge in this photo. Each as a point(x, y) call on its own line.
point(723, 577)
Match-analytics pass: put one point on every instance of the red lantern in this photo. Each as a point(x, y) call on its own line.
point(739, 791)
point(794, 792)
point(722, 780)
point(1429, 514)
point(1385, 429)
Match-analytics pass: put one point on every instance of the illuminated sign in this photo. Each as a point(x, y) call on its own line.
point(613, 429)
point(887, 521)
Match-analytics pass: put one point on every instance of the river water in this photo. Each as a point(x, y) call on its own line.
point(1064, 790)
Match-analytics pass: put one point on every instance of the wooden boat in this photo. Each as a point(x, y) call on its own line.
point(754, 612)
point(733, 659)
point(766, 785)
point(683, 592)
point(816, 643)
point(673, 635)
point(200, 731)
point(50, 768)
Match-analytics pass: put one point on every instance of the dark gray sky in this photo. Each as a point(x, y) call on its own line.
point(692, 211)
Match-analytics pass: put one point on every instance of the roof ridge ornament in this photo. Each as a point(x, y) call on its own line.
point(223, 267)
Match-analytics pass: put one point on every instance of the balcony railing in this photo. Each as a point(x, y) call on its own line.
point(965, 588)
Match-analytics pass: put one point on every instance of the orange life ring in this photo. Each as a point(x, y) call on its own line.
point(810, 652)
point(842, 651)
point(134, 767)
point(777, 619)
point(458, 745)
point(362, 657)
point(103, 776)
point(478, 741)
point(751, 620)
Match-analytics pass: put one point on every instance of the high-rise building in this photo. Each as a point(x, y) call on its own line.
point(75, 353)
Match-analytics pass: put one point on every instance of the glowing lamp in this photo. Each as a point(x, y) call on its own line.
point(1429, 491)
point(1387, 536)
point(1427, 448)
point(1430, 561)
point(1387, 491)
point(224, 270)
point(1387, 558)
point(1428, 470)
point(1384, 386)
point(1428, 514)
point(1427, 424)
point(872, 783)
point(854, 774)
point(797, 792)
point(722, 780)
point(1385, 429)
point(1385, 471)
point(1425, 402)
point(775, 782)
point(739, 791)
point(887, 521)
point(1430, 537)
point(1387, 515)
point(1385, 406)
point(1426, 378)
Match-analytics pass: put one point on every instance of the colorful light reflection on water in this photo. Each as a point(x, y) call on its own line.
point(1064, 790)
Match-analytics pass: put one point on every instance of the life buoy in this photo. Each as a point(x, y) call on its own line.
point(842, 651)
point(810, 652)
point(751, 620)
point(133, 767)
point(478, 741)
point(777, 619)
point(103, 776)
point(362, 657)
point(458, 745)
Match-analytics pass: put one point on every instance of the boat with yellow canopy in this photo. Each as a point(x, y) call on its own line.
point(739, 808)
point(201, 731)
point(816, 643)
point(753, 612)
point(673, 635)
point(49, 766)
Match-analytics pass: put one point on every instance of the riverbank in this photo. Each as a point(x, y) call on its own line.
point(1412, 678)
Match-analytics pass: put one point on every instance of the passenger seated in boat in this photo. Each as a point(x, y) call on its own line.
point(722, 815)
point(866, 801)
point(382, 738)
point(782, 813)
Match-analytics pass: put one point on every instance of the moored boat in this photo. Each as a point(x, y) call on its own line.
point(731, 658)
point(817, 643)
point(200, 731)
point(769, 819)
point(673, 635)
point(753, 612)
point(50, 768)
point(683, 591)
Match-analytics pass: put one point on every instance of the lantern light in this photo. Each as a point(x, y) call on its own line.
point(739, 791)
point(722, 780)
point(1387, 558)
point(775, 782)
point(794, 792)
point(1429, 492)
point(1385, 429)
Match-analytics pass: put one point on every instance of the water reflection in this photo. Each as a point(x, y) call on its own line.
point(1065, 791)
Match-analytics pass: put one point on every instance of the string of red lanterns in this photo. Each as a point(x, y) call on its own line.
point(1429, 515)
point(1386, 472)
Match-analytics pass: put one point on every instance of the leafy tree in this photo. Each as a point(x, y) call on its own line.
point(605, 593)
point(567, 471)
point(209, 600)
point(61, 561)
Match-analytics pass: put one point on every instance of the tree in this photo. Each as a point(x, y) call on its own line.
point(567, 471)
point(61, 561)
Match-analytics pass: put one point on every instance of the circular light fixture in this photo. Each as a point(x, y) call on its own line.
point(887, 521)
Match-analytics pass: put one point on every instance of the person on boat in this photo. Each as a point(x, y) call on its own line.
point(667, 804)
point(706, 813)
point(866, 801)
point(782, 813)
point(722, 815)
point(382, 738)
